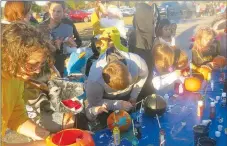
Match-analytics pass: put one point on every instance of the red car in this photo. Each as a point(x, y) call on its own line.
point(79, 15)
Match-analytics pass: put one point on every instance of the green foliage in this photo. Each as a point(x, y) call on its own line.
point(36, 8)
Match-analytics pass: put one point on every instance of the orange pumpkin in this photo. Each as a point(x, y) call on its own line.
point(70, 137)
point(192, 84)
point(220, 61)
point(115, 117)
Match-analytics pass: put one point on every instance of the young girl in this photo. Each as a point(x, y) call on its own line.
point(169, 66)
point(165, 33)
point(205, 48)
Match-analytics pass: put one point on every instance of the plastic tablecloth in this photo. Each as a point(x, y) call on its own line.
point(180, 109)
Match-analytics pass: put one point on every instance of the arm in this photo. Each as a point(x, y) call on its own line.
point(160, 82)
point(142, 74)
point(34, 143)
point(32, 130)
point(76, 36)
point(94, 93)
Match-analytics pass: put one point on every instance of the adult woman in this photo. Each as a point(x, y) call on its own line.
point(24, 51)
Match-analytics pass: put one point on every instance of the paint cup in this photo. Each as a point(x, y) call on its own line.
point(206, 141)
point(220, 128)
point(217, 133)
point(199, 132)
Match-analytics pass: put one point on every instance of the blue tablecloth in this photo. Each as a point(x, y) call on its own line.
point(183, 109)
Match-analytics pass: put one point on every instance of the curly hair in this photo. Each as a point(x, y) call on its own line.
point(203, 33)
point(19, 41)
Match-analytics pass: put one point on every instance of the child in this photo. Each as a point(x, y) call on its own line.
point(165, 33)
point(169, 66)
point(205, 48)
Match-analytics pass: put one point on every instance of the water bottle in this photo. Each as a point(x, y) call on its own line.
point(116, 136)
point(212, 85)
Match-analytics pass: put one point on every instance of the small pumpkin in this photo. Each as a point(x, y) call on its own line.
point(70, 137)
point(192, 84)
point(220, 61)
point(119, 118)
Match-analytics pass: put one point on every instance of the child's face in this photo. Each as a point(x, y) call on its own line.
point(166, 31)
point(56, 12)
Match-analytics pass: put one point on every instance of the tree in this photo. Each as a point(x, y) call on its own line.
point(36, 8)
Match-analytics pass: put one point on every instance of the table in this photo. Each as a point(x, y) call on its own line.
point(181, 109)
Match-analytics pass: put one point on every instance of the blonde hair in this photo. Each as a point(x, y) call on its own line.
point(166, 57)
point(116, 75)
point(163, 58)
point(203, 33)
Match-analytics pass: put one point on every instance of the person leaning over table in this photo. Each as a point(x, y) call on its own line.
point(114, 82)
point(24, 51)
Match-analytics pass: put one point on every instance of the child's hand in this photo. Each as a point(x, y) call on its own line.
point(127, 106)
point(133, 102)
point(101, 109)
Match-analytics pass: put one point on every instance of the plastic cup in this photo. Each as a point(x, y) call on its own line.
point(220, 128)
point(199, 132)
point(217, 133)
point(206, 141)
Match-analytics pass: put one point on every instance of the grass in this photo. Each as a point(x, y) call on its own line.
point(85, 28)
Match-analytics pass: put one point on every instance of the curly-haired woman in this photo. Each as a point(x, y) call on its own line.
point(24, 52)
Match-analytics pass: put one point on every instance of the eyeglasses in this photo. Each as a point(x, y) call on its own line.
point(33, 67)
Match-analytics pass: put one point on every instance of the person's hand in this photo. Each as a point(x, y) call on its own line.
point(68, 121)
point(132, 101)
point(70, 41)
point(127, 106)
point(101, 109)
point(178, 72)
point(58, 43)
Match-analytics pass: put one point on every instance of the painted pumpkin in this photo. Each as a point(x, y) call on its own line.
point(70, 137)
point(192, 84)
point(119, 118)
point(220, 61)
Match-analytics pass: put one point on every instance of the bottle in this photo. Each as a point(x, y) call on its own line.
point(223, 99)
point(212, 110)
point(116, 136)
point(200, 108)
point(212, 85)
point(162, 137)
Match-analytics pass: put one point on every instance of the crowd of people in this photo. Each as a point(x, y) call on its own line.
point(121, 72)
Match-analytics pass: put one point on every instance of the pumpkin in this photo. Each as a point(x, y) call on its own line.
point(220, 61)
point(70, 137)
point(192, 84)
point(119, 118)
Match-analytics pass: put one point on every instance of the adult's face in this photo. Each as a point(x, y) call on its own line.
point(56, 12)
point(32, 65)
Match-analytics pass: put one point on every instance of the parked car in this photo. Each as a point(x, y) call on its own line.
point(79, 15)
point(127, 11)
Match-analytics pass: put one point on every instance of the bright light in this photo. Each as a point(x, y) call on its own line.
point(3, 3)
point(41, 3)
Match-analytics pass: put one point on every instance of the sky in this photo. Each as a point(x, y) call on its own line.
point(41, 3)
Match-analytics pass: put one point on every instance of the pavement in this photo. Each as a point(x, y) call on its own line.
point(185, 30)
